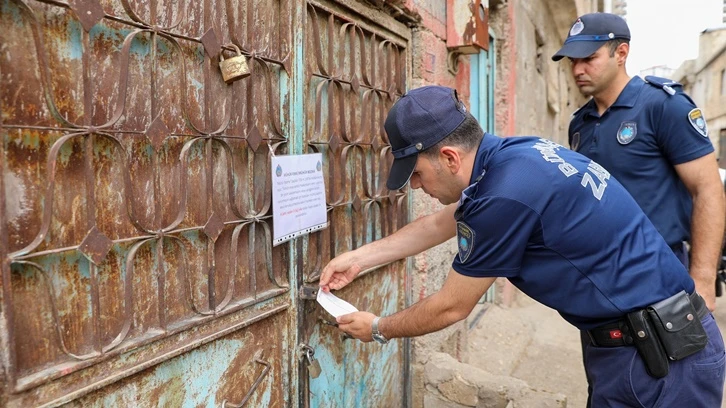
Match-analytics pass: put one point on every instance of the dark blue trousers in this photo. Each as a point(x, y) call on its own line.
point(618, 376)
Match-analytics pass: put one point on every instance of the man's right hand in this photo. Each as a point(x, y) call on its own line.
point(339, 272)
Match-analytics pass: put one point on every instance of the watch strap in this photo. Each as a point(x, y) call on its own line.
point(376, 333)
point(374, 326)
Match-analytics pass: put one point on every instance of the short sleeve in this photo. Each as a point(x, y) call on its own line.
point(492, 236)
point(681, 130)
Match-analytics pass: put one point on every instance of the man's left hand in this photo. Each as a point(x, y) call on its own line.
point(358, 324)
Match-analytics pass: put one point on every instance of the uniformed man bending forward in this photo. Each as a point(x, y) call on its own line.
point(562, 230)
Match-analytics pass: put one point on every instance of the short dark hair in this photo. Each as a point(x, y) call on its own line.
point(467, 136)
point(614, 44)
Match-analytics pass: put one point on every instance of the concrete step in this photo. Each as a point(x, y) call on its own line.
point(452, 384)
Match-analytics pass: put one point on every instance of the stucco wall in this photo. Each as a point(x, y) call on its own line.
point(535, 96)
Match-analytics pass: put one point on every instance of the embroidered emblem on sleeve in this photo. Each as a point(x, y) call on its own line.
point(627, 132)
point(695, 116)
point(465, 239)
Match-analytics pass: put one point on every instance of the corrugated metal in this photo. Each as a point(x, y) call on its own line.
point(137, 266)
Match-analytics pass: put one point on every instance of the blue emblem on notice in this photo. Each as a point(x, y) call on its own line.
point(318, 166)
point(627, 132)
point(466, 240)
point(278, 171)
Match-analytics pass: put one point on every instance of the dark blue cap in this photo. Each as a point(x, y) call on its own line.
point(590, 32)
point(420, 119)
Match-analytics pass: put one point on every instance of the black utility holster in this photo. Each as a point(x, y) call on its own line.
point(668, 330)
point(646, 342)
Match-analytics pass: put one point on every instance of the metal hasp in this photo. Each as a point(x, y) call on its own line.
point(308, 292)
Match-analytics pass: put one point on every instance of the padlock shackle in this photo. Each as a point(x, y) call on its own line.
point(221, 53)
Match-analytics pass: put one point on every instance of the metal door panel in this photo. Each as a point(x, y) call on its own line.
point(244, 366)
point(359, 374)
point(101, 373)
point(136, 190)
point(354, 71)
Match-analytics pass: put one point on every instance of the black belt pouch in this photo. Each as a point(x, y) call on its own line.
point(647, 343)
point(678, 326)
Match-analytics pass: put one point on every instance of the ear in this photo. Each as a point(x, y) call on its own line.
point(451, 158)
point(621, 53)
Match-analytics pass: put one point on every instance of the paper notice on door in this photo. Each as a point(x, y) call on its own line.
point(334, 305)
point(298, 196)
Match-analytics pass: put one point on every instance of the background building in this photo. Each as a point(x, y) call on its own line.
point(658, 70)
point(704, 78)
point(620, 7)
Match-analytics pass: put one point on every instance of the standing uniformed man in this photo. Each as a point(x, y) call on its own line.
point(651, 137)
point(562, 230)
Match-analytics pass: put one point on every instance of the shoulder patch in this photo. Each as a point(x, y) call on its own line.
point(695, 117)
point(465, 240)
point(665, 84)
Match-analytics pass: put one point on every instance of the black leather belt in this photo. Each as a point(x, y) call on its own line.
point(617, 334)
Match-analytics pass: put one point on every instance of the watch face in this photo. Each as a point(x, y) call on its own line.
point(380, 339)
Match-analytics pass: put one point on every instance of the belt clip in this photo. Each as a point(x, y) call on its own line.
point(592, 338)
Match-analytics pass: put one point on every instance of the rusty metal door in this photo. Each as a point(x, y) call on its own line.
point(135, 236)
point(354, 71)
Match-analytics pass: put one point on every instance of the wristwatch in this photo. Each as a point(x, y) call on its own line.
point(377, 335)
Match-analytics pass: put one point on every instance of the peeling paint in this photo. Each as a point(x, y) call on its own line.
point(16, 205)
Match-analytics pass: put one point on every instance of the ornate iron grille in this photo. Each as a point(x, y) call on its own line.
point(136, 182)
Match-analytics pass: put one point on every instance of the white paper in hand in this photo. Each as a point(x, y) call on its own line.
point(334, 305)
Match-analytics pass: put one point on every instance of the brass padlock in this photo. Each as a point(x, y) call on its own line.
point(234, 68)
point(314, 368)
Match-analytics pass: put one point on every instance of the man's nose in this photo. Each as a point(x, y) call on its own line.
point(578, 68)
point(415, 181)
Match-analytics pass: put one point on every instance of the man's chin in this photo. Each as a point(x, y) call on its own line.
point(585, 90)
point(444, 201)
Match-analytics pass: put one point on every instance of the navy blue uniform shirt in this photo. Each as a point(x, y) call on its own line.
point(638, 140)
point(562, 230)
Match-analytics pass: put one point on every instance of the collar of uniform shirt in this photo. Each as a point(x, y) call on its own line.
point(626, 99)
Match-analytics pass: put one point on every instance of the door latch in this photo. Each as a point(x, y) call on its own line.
point(308, 292)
